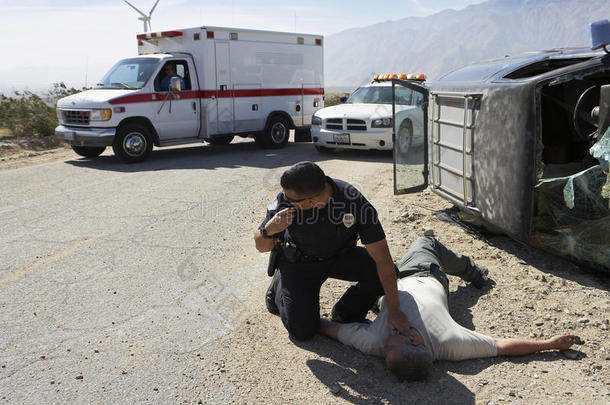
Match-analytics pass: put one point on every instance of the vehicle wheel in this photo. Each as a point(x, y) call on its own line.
point(220, 140)
point(405, 137)
point(324, 149)
point(88, 151)
point(276, 134)
point(132, 143)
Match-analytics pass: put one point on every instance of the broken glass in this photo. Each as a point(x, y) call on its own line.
point(572, 213)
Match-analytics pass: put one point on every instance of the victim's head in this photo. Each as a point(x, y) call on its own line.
point(405, 360)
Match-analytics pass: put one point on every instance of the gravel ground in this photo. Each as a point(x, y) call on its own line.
point(536, 296)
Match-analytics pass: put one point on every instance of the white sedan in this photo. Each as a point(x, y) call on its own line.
point(364, 121)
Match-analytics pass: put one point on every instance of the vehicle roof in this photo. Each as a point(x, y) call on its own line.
point(234, 29)
point(500, 67)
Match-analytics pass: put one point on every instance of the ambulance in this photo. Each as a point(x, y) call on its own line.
point(199, 84)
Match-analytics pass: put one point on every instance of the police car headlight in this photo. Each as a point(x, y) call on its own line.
point(100, 115)
point(382, 123)
point(316, 120)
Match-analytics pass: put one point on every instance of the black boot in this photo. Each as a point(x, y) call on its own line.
point(481, 279)
point(270, 295)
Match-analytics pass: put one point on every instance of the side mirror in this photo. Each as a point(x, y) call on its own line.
point(600, 34)
point(174, 84)
point(343, 99)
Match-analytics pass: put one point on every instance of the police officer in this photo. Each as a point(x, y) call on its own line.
point(318, 220)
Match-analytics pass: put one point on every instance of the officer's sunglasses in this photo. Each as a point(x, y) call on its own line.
point(298, 200)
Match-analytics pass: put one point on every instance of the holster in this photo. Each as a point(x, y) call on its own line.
point(274, 259)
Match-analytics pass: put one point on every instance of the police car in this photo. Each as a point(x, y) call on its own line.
point(364, 120)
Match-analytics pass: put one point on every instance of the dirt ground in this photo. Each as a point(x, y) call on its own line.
point(18, 151)
point(536, 296)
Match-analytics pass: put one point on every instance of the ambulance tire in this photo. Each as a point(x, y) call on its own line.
point(132, 143)
point(88, 151)
point(220, 140)
point(276, 134)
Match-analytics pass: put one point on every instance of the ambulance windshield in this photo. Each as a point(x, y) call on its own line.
point(129, 74)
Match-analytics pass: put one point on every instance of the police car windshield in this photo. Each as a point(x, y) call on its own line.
point(129, 74)
point(380, 95)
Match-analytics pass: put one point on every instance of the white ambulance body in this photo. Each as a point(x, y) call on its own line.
point(225, 82)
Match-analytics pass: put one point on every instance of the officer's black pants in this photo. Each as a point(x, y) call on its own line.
point(298, 292)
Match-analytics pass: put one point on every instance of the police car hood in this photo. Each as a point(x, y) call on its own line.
point(93, 98)
point(358, 111)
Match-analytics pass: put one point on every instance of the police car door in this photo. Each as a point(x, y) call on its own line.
point(410, 136)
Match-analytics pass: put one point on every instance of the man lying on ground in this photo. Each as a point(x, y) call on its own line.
point(423, 288)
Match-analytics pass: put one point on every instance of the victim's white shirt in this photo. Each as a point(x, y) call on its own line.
point(424, 301)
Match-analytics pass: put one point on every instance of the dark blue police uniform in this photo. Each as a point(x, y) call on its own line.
point(325, 240)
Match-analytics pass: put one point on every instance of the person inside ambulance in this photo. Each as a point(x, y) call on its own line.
point(170, 71)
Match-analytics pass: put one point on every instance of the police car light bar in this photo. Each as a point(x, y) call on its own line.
point(402, 76)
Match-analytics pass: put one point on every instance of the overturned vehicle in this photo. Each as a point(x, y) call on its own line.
point(521, 144)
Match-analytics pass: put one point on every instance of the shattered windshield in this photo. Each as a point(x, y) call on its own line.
point(129, 74)
point(573, 212)
point(382, 95)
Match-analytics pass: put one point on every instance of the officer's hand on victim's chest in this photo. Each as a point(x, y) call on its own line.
point(280, 221)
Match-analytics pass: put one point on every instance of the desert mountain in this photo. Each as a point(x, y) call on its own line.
point(442, 42)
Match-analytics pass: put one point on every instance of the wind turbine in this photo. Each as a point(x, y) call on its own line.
point(145, 18)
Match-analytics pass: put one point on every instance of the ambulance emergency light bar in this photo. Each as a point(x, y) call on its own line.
point(164, 34)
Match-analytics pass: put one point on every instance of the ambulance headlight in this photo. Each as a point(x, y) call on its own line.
point(316, 120)
point(382, 123)
point(100, 115)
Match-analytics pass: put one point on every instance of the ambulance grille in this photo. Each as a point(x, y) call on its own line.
point(75, 117)
point(334, 123)
point(356, 125)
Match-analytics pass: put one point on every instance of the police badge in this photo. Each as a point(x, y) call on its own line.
point(348, 220)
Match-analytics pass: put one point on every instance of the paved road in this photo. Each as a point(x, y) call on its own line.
point(113, 275)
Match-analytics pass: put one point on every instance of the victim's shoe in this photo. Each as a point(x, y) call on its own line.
point(482, 280)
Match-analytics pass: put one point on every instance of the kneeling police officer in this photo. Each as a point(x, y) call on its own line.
point(314, 223)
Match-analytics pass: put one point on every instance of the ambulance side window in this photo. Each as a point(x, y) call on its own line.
point(181, 69)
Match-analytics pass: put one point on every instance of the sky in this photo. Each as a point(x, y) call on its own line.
point(77, 41)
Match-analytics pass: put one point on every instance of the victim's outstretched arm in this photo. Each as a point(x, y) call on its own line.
point(522, 347)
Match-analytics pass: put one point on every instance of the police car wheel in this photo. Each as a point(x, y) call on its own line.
point(88, 151)
point(405, 137)
point(220, 140)
point(276, 134)
point(132, 143)
point(324, 149)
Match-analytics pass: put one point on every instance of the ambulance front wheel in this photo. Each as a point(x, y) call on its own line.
point(276, 134)
point(132, 143)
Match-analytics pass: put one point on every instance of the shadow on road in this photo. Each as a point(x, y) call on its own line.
point(239, 154)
